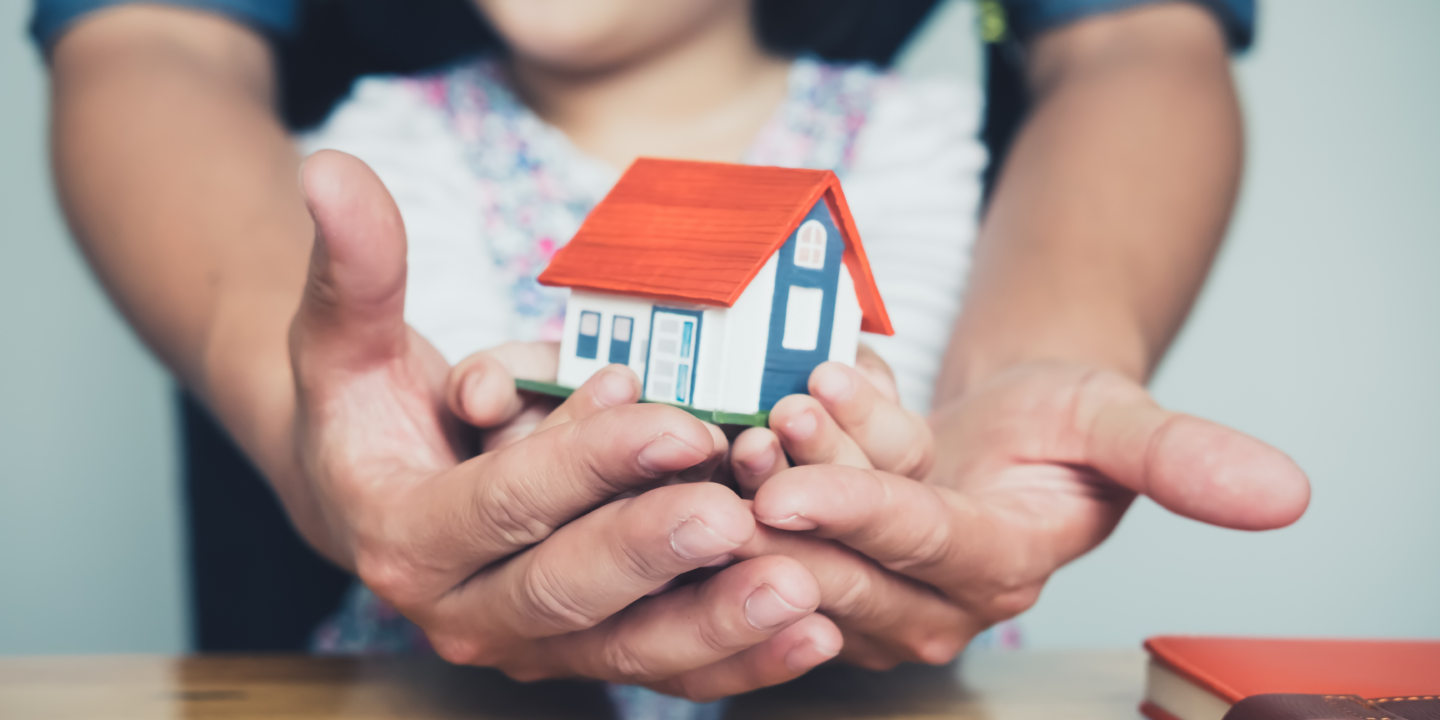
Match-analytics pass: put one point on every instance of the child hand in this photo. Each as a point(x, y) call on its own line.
point(853, 418)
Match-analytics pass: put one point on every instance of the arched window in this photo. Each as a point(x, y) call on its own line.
point(810, 245)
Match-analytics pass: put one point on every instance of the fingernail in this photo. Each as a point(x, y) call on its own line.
point(802, 427)
point(694, 540)
point(834, 384)
point(765, 609)
point(666, 454)
point(613, 389)
point(761, 463)
point(807, 655)
point(796, 522)
point(470, 395)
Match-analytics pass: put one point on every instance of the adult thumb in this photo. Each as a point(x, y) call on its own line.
point(352, 311)
point(1195, 468)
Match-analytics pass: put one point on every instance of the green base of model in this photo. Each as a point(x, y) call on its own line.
point(759, 419)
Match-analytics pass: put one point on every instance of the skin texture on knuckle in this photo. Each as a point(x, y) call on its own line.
point(594, 445)
point(625, 662)
point(956, 641)
point(1002, 590)
point(637, 563)
point(552, 602)
point(857, 599)
point(714, 635)
point(390, 576)
point(927, 547)
point(511, 517)
point(919, 456)
point(1009, 603)
point(456, 649)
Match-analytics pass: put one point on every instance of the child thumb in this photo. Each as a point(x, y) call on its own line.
point(352, 310)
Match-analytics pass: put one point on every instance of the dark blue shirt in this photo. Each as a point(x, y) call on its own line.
point(279, 17)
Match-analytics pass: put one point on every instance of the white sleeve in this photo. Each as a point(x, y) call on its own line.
point(453, 294)
point(914, 189)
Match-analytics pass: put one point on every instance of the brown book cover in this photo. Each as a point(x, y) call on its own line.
point(1201, 678)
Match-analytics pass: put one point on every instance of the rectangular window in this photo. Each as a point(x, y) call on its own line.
point(802, 318)
point(587, 345)
point(620, 340)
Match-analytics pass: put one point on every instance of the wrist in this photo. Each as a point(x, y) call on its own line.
point(1116, 346)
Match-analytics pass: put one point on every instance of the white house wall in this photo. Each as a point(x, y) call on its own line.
point(746, 339)
point(710, 356)
point(574, 371)
point(845, 335)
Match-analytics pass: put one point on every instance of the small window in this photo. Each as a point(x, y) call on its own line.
point(588, 344)
point(802, 318)
point(620, 339)
point(810, 245)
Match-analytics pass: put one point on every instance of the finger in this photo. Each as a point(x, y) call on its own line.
point(874, 368)
point(755, 457)
point(520, 426)
point(1192, 467)
point(597, 565)
point(900, 618)
point(481, 388)
point(351, 315)
point(612, 386)
point(499, 503)
point(893, 438)
point(810, 436)
point(941, 537)
point(713, 468)
point(787, 655)
point(695, 625)
point(904, 525)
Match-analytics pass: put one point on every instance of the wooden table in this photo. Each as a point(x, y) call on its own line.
point(983, 686)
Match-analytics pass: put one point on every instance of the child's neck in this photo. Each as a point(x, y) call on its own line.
point(703, 97)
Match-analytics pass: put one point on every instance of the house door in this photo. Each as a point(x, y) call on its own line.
point(674, 348)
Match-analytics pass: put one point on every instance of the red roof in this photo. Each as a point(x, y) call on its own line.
point(699, 232)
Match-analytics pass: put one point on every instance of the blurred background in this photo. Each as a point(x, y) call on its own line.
point(1319, 332)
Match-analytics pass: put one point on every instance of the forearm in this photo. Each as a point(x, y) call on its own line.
point(1113, 202)
point(180, 185)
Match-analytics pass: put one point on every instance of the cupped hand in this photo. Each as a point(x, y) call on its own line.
point(852, 418)
point(519, 558)
point(1030, 470)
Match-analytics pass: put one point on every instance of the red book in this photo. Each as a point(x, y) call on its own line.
point(1200, 678)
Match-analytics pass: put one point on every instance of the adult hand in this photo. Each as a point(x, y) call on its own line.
point(518, 558)
point(1031, 470)
point(884, 617)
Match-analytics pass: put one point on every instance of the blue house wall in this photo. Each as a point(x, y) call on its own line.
point(787, 371)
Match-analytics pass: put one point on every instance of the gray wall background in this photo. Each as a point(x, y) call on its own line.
point(90, 551)
point(1319, 332)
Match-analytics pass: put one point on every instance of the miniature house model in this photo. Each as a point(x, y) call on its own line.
point(721, 286)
